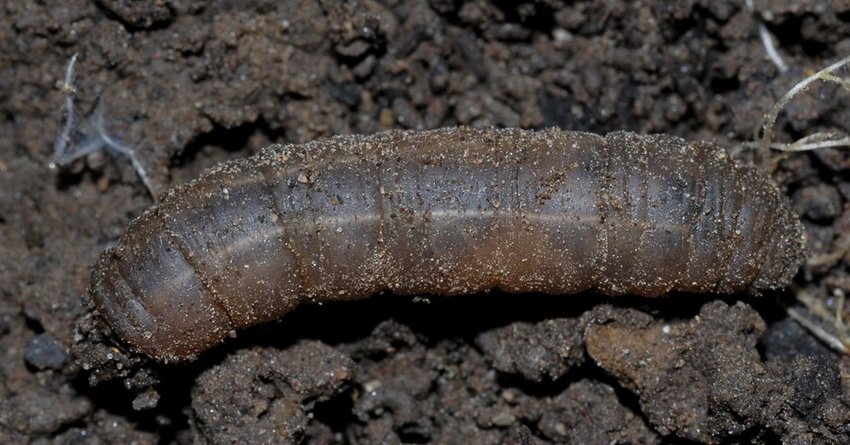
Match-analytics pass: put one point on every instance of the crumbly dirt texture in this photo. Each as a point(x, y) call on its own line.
point(192, 84)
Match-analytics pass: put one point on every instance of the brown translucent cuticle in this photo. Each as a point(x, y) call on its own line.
point(447, 212)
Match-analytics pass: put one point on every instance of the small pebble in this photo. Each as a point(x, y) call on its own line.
point(353, 49)
point(504, 419)
point(146, 400)
point(43, 351)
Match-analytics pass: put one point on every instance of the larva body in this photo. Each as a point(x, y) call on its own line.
point(445, 212)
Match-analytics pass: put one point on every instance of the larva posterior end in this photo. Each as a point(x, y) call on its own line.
point(784, 256)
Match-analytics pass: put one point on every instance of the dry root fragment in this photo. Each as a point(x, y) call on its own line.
point(827, 325)
point(817, 140)
point(767, 41)
point(830, 327)
point(76, 141)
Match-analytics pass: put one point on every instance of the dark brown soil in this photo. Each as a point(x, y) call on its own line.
point(196, 84)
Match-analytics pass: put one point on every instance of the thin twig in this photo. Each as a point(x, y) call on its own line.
point(67, 86)
point(767, 41)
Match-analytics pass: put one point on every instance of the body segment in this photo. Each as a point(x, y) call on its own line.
point(445, 212)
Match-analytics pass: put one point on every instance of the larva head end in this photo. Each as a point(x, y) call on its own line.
point(152, 301)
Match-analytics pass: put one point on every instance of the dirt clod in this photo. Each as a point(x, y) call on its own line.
point(545, 350)
point(263, 394)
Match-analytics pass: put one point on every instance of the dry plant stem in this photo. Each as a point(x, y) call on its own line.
point(804, 144)
point(819, 332)
point(65, 150)
point(130, 152)
point(824, 74)
point(839, 80)
point(767, 41)
point(817, 317)
point(840, 339)
point(772, 53)
point(67, 86)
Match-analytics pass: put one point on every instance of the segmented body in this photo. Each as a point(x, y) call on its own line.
point(449, 211)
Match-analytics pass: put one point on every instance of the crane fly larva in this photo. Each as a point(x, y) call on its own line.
point(448, 211)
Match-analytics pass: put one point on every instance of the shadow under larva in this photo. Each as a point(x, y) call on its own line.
point(448, 211)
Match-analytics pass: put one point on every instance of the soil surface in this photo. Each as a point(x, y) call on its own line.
point(190, 84)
